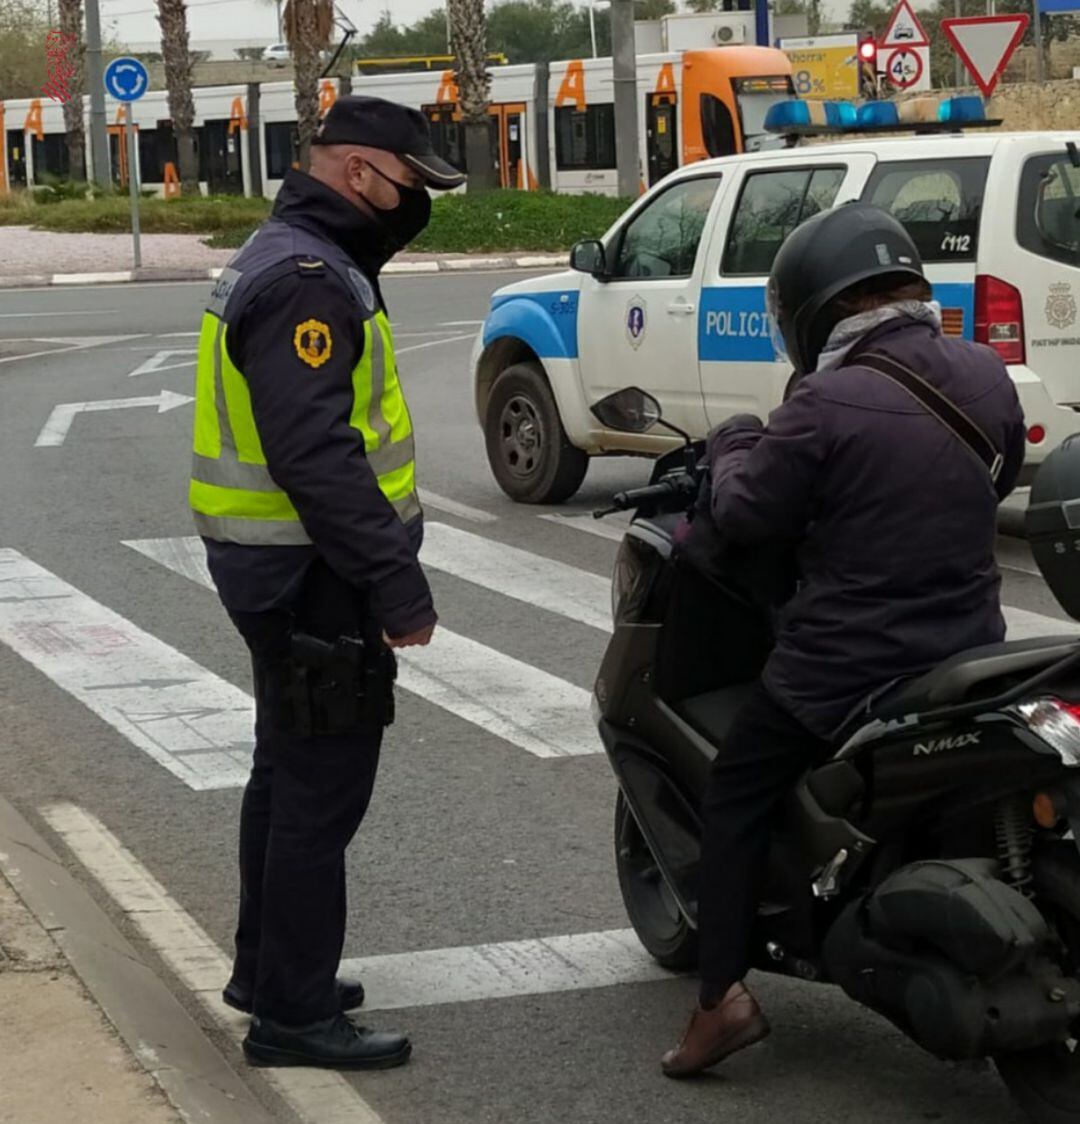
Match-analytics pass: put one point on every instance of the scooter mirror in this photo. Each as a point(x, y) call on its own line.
point(630, 411)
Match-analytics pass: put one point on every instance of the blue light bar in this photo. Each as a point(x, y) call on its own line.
point(874, 113)
point(785, 114)
point(840, 114)
point(967, 108)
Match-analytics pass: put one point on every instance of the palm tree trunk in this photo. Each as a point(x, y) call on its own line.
point(468, 40)
point(172, 15)
point(308, 29)
point(74, 127)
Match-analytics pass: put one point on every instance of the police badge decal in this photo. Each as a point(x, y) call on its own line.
point(1061, 306)
point(635, 322)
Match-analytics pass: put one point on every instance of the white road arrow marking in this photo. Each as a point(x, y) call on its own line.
point(55, 430)
point(74, 343)
point(159, 362)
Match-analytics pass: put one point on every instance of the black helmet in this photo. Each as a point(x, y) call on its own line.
point(829, 253)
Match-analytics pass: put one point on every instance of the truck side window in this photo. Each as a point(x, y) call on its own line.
point(770, 206)
point(938, 201)
point(662, 240)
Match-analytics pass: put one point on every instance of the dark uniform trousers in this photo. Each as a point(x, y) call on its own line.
point(302, 806)
point(764, 755)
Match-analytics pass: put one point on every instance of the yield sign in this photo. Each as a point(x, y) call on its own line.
point(904, 29)
point(985, 44)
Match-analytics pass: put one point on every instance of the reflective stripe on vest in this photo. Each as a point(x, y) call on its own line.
point(232, 494)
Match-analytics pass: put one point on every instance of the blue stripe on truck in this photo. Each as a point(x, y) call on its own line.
point(546, 321)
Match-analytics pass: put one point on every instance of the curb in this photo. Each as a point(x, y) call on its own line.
point(191, 1071)
point(439, 265)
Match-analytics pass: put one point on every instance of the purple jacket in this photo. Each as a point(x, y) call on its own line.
point(892, 518)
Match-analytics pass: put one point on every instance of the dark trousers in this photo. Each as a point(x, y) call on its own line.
point(764, 755)
point(302, 805)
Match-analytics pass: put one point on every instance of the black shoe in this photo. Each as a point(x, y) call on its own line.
point(350, 995)
point(336, 1043)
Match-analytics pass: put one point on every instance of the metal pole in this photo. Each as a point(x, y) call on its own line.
point(958, 79)
point(592, 27)
point(1040, 70)
point(133, 184)
point(624, 72)
point(95, 77)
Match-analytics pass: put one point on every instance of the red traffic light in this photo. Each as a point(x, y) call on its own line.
point(868, 50)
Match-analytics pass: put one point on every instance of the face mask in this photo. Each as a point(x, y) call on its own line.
point(405, 221)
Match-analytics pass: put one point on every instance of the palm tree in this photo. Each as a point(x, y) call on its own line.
point(468, 41)
point(72, 35)
point(172, 15)
point(309, 25)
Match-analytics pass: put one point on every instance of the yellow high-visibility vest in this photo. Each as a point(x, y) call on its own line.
point(232, 494)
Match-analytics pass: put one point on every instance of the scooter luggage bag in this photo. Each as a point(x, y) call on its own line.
point(959, 908)
point(1052, 523)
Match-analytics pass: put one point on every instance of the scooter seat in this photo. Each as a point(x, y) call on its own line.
point(953, 680)
point(712, 713)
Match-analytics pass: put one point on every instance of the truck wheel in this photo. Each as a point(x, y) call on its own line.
point(528, 450)
point(650, 905)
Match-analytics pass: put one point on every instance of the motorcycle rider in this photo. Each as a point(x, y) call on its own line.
point(891, 517)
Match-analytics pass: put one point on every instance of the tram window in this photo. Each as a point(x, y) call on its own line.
point(770, 206)
point(717, 126)
point(585, 139)
point(447, 135)
point(154, 154)
point(51, 155)
point(282, 148)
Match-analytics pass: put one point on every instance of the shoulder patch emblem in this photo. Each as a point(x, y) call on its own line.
point(363, 288)
point(312, 342)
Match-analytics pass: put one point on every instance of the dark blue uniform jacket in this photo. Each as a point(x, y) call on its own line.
point(892, 519)
point(302, 415)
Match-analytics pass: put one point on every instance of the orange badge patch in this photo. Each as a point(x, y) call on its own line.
point(312, 342)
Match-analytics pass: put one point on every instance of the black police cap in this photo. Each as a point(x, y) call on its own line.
point(378, 123)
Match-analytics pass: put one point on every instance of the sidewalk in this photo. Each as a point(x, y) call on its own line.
point(59, 1058)
point(42, 257)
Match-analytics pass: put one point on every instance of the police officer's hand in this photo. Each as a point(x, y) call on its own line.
point(420, 638)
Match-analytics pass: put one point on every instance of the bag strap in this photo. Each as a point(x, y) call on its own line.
point(934, 402)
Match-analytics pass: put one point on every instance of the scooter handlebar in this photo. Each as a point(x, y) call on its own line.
point(681, 487)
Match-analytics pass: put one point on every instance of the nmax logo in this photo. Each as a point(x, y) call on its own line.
point(939, 745)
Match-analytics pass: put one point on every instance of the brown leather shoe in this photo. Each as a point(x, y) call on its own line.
point(733, 1024)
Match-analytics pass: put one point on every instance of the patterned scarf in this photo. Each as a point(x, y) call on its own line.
point(851, 329)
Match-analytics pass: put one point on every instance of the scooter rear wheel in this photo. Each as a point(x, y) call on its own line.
point(650, 905)
point(1045, 1081)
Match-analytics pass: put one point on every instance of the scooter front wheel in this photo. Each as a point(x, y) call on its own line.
point(650, 905)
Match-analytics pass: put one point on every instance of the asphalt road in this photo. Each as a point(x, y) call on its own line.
point(478, 835)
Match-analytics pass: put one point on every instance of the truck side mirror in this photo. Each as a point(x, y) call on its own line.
point(588, 257)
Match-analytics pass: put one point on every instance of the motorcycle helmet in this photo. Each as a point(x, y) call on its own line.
point(832, 252)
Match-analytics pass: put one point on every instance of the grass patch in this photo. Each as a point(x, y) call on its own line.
point(497, 222)
point(112, 214)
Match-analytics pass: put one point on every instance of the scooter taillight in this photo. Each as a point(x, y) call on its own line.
point(1057, 723)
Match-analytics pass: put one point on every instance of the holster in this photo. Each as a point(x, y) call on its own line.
point(342, 687)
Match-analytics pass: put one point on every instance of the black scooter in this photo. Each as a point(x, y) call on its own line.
point(931, 867)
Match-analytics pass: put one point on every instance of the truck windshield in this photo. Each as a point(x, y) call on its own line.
point(754, 97)
point(1048, 221)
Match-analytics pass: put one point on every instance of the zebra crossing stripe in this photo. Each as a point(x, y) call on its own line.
point(425, 978)
point(187, 719)
point(316, 1096)
point(520, 574)
point(521, 704)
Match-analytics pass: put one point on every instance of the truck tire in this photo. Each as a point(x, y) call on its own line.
point(530, 455)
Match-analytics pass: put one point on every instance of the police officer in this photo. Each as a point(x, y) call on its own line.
point(304, 491)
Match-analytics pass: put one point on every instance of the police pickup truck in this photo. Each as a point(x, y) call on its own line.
point(672, 298)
